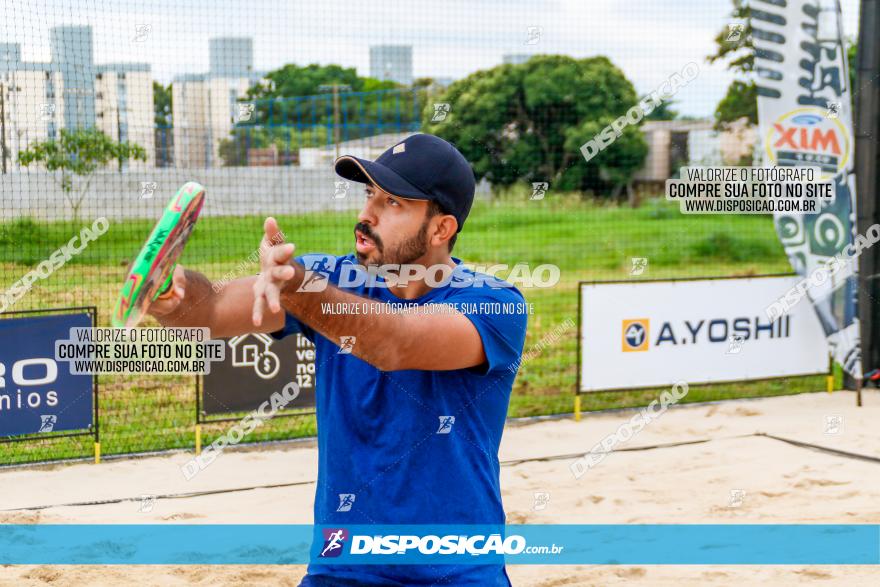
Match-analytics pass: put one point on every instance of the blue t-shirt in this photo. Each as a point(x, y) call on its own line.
point(414, 447)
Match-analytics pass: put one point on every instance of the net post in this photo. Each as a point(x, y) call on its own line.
point(577, 407)
point(829, 379)
point(97, 453)
point(198, 439)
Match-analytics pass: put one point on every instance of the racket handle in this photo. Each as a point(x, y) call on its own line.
point(166, 287)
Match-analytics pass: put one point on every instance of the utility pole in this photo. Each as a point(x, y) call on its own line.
point(3, 126)
point(867, 131)
point(335, 88)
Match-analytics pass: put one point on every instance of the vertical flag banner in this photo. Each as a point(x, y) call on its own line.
point(805, 119)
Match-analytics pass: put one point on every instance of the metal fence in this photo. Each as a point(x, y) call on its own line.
point(238, 108)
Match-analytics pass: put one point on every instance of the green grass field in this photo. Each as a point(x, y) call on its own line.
point(587, 240)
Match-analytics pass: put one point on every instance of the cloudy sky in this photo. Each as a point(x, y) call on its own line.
point(647, 39)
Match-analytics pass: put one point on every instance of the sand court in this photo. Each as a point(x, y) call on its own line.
point(809, 458)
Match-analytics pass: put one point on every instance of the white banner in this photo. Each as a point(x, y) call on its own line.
point(646, 334)
point(805, 119)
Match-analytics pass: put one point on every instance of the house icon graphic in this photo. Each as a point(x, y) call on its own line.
point(255, 353)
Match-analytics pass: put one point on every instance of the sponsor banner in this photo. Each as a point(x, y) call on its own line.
point(805, 119)
point(647, 334)
point(255, 367)
point(283, 544)
point(37, 392)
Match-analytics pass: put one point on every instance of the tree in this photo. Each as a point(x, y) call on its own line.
point(79, 153)
point(292, 81)
point(162, 105)
point(736, 48)
point(740, 101)
point(293, 108)
point(663, 111)
point(527, 122)
point(163, 119)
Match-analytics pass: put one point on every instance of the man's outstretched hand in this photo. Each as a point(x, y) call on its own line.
point(275, 270)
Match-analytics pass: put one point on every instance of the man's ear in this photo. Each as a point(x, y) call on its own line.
point(446, 226)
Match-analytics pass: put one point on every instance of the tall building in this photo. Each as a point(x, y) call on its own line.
point(71, 49)
point(124, 105)
point(70, 91)
point(31, 103)
point(205, 106)
point(10, 52)
point(231, 56)
point(392, 62)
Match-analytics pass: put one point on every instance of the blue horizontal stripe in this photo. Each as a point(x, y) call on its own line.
point(825, 544)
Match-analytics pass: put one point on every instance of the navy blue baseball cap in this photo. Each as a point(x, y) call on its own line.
point(420, 167)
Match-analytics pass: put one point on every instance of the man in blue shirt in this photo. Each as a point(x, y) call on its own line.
point(415, 356)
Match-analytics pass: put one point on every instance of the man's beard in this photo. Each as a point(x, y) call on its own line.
point(404, 253)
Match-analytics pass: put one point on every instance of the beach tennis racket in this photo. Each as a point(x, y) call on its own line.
point(151, 273)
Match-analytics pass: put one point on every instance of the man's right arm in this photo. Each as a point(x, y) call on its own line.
point(226, 310)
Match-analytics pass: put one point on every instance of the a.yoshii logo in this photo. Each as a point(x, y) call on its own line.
point(635, 335)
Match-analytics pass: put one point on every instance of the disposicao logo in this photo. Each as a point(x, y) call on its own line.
point(334, 541)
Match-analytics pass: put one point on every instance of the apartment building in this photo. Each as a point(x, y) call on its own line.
point(206, 106)
point(38, 99)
